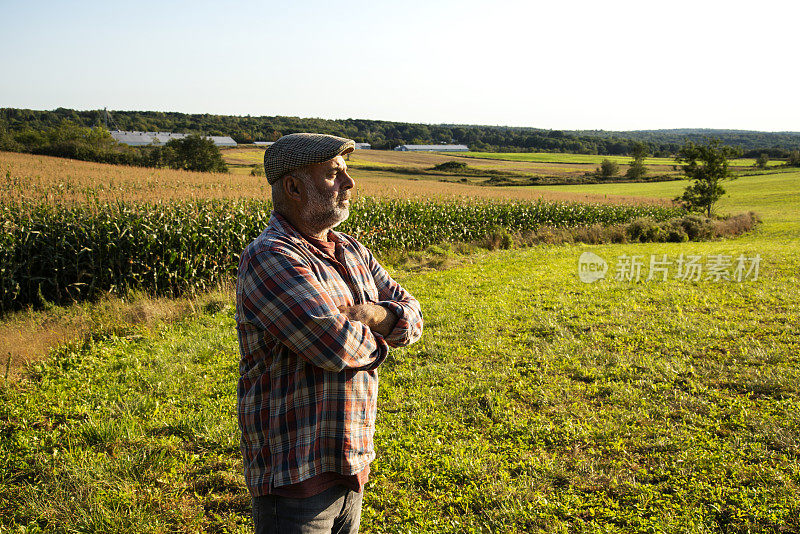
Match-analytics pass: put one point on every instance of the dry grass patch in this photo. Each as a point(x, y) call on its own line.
point(736, 224)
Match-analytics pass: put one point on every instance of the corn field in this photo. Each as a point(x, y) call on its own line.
point(58, 253)
point(384, 224)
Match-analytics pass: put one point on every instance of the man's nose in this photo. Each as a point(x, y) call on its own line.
point(347, 181)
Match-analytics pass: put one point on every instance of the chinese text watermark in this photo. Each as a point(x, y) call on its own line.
point(661, 267)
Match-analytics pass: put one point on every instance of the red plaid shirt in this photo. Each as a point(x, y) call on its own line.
point(308, 380)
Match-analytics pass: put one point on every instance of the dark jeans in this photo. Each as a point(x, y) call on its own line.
point(336, 510)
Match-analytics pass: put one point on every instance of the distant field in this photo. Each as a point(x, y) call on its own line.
point(545, 157)
point(532, 163)
point(43, 176)
point(77, 180)
point(241, 159)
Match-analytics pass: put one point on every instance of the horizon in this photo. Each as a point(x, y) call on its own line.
point(621, 66)
point(444, 124)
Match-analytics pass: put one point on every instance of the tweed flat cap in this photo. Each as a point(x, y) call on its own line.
point(297, 150)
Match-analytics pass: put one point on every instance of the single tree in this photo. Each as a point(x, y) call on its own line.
point(706, 165)
point(607, 169)
point(761, 161)
point(794, 159)
point(194, 153)
point(637, 168)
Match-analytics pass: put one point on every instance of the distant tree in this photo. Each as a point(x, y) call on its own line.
point(69, 140)
point(242, 138)
point(607, 169)
point(639, 150)
point(637, 168)
point(794, 159)
point(7, 141)
point(706, 165)
point(761, 161)
point(194, 153)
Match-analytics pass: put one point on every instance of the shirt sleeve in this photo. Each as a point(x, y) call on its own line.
point(392, 295)
point(280, 294)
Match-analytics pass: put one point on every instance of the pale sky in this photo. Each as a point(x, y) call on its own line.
point(560, 64)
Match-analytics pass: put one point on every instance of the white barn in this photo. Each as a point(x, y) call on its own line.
point(433, 148)
point(222, 140)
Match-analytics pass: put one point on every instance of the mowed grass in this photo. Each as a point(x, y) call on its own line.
point(534, 402)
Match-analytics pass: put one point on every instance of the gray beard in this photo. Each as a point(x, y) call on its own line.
point(322, 214)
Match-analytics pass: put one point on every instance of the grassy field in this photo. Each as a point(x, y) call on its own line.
point(534, 402)
point(772, 195)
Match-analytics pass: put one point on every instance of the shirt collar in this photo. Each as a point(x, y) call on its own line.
point(281, 224)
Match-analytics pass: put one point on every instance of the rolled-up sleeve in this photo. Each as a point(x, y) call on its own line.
point(281, 294)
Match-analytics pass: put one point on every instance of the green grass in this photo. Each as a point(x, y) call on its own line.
point(126, 434)
point(546, 403)
point(550, 157)
point(534, 402)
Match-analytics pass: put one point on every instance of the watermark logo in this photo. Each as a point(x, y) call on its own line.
point(591, 267)
point(660, 267)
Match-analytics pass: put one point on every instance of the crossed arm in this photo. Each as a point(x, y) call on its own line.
point(379, 319)
point(279, 293)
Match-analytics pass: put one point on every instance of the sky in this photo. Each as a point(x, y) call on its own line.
point(560, 64)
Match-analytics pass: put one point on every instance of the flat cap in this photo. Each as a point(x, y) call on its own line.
point(293, 151)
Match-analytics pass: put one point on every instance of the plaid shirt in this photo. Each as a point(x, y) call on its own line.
point(308, 380)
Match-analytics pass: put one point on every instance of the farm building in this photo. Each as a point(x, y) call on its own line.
point(263, 143)
point(222, 140)
point(433, 148)
point(159, 138)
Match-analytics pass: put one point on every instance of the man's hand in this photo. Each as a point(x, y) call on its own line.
point(379, 319)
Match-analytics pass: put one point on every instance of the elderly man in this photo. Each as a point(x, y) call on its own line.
point(316, 315)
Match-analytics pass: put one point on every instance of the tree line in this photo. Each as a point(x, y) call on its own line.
point(70, 140)
point(388, 134)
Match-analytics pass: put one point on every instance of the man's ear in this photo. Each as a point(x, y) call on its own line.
point(292, 187)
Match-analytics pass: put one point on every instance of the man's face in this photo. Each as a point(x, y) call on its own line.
point(328, 194)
